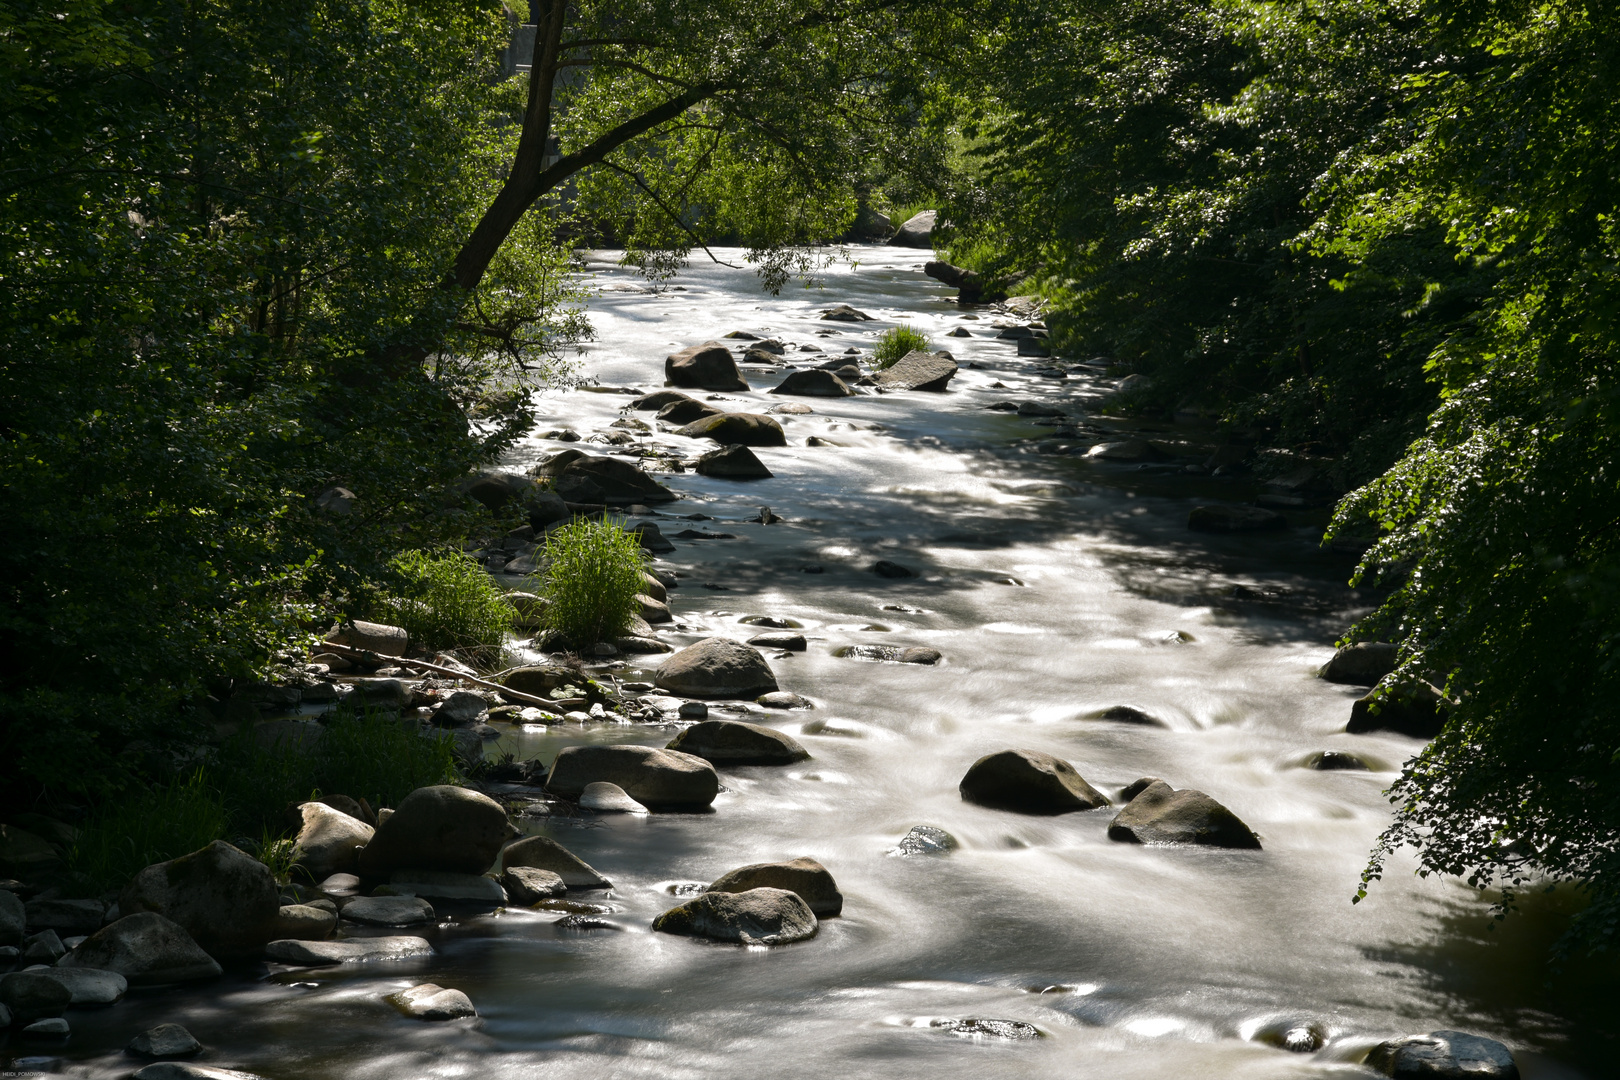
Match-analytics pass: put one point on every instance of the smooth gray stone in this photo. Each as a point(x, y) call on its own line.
point(54, 1028)
point(606, 798)
point(89, 987)
point(352, 951)
point(146, 949)
point(529, 885)
point(164, 1041)
point(388, 911)
point(430, 1001)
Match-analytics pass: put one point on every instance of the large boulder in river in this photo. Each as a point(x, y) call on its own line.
point(223, 897)
point(732, 742)
point(544, 853)
point(658, 779)
point(1444, 1055)
point(329, 841)
point(608, 480)
point(717, 668)
point(918, 370)
point(733, 463)
point(686, 411)
point(1159, 814)
point(146, 949)
point(804, 876)
point(708, 366)
point(1029, 782)
point(755, 917)
point(736, 429)
point(816, 382)
point(1410, 707)
point(1363, 664)
point(438, 828)
point(917, 231)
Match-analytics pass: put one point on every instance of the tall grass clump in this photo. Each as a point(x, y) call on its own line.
point(592, 578)
point(896, 342)
point(124, 837)
point(447, 601)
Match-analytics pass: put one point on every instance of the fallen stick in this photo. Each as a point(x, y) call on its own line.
point(366, 657)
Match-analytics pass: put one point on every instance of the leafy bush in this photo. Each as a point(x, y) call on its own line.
point(896, 342)
point(592, 579)
point(448, 602)
point(121, 839)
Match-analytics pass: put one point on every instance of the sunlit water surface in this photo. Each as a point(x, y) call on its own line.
point(1054, 587)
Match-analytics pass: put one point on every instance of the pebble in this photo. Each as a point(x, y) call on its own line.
point(430, 1001)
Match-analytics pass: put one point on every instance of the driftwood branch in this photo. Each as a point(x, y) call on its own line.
point(507, 692)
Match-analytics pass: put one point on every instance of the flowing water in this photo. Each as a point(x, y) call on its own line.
point(1055, 586)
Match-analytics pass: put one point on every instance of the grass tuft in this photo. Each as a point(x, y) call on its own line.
point(125, 837)
point(592, 578)
point(896, 342)
point(448, 602)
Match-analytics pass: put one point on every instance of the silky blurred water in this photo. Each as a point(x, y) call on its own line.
point(1054, 587)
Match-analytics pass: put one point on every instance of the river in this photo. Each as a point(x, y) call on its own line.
point(1054, 586)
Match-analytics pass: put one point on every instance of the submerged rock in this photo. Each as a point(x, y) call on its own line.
point(925, 840)
point(1235, 519)
point(845, 313)
point(1363, 664)
point(527, 885)
point(224, 898)
point(717, 668)
point(737, 429)
point(164, 1041)
point(732, 742)
point(606, 798)
point(329, 841)
point(782, 699)
point(430, 1001)
point(733, 463)
point(803, 876)
point(787, 640)
point(352, 951)
point(185, 1070)
point(1329, 760)
point(544, 853)
point(447, 885)
point(893, 654)
point(658, 399)
point(388, 911)
point(1414, 707)
point(708, 366)
point(1444, 1055)
point(146, 949)
point(756, 917)
point(1130, 714)
point(918, 370)
point(1159, 814)
point(1029, 782)
point(443, 827)
point(987, 1027)
point(658, 779)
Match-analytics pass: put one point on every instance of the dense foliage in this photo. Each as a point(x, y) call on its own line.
point(1379, 233)
point(257, 251)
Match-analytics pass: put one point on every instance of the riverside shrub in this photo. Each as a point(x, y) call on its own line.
point(447, 601)
point(592, 578)
point(896, 342)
